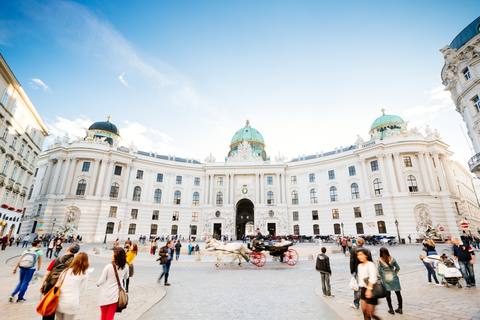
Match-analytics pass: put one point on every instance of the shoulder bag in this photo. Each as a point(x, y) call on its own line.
point(379, 290)
point(48, 304)
point(122, 294)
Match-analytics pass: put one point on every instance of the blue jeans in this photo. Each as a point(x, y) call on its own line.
point(166, 270)
point(25, 277)
point(326, 283)
point(25, 244)
point(466, 268)
point(356, 295)
point(177, 254)
point(431, 272)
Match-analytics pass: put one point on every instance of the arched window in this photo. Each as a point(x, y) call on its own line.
point(296, 230)
point(333, 194)
point(336, 228)
point(316, 229)
point(110, 227)
point(219, 198)
point(114, 190)
point(313, 196)
point(355, 192)
point(177, 196)
point(381, 227)
point(174, 229)
point(157, 197)
point(294, 197)
point(153, 229)
point(377, 186)
point(82, 186)
point(137, 192)
point(270, 199)
point(196, 199)
point(131, 228)
point(359, 226)
point(412, 184)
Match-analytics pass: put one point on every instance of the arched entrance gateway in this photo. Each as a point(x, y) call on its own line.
point(245, 218)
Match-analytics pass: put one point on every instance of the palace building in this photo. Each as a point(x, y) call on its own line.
point(398, 182)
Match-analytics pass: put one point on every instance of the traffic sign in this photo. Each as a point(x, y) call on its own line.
point(441, 229)
point(464, 225)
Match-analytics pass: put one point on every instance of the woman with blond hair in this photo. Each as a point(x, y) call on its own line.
point(75, 279)
point(429, 247)
point(130, 256)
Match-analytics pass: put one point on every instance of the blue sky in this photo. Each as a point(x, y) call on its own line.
point(180, 77)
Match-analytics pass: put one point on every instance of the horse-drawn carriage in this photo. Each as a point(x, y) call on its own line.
point(281, 251)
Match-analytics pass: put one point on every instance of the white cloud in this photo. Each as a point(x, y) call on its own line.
point(441, 99)
point(122, 79)
point(36, 83)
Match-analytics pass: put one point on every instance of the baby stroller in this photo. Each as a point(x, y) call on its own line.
point(449, 273)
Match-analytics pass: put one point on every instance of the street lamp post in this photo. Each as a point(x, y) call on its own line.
point(105, 239)
point(53, 226)
point(343, 234)
point(398, 232)
point(189, 232)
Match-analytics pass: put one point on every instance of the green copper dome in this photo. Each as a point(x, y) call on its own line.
point(249, 134)
point(386, 119)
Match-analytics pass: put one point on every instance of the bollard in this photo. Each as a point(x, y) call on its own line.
point(96, 251)
point(310, 256)
point(197, 257)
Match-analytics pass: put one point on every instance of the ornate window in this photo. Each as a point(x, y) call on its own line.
point(412, 184)
point(316, 229)
point(476, 103)
point(296, 230)
point(131, 228)
point(294, 197)
point(176, 216)
point(377, 186)
point(270, 198)
point(177, 196)
point(219, 198)
point(381, 227)
point(134, 214)
point(359, 226)
point(155, 214)
point(295, 215)
point(110, 226)
point(196, 199)
point(174, 229)
point(378, 209)
point(335, 214)
point(293, 179)
point(153, 229)
point(113, 212)
point(5, 166)
point(157, 197)
point(81, 187)
point(314, 214)
point(333, 194)
point(137, 192)
point(311, 177)
point(357, 212)
point(114, 190)
point(354, 190)
point(313, 196)
point(407, 161)
point(466, 73)
point(336, 228)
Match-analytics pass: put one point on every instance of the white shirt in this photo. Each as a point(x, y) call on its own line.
point(70, 292)
point(109, 285)
point(367, 271)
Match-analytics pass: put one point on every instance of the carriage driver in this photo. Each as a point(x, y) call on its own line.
point(258, 238)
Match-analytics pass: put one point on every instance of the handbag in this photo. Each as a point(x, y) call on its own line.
point(122, 294)
point(48, 304)
point(379, 290)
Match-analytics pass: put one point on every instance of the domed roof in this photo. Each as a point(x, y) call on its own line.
point(468, 33)
point(247, 133)
point(385, 119)
point(105, 126)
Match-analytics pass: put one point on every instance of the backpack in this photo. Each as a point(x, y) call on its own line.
point(344, 243)
point(55, 274)
point(28, 260)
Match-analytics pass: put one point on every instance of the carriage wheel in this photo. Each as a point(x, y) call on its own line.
point(291, 257)
point(258, 259)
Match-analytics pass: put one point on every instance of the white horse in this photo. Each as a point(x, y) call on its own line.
point(235, 250)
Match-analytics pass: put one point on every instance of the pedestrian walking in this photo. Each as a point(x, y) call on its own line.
point(465, 256)
point(26, 240)
point(12, 240)
point(178, 247)
point(75, 279)
point(154, 246)
point(108, 297)
point(4, 242)
point(130, 256)
point(128, 243)
point(368, 272)
point(409, 239)
point(323, 266)
point(26, 263)
point(344, 245)
point(388, 269)
point(190, 248)
point(58, 248)
point(197, 249)
point(429, 263)
point(350, 245)
point(116, 244)
point(354, 262)
point(51, 245)
point(165, 255)
point(19, 239)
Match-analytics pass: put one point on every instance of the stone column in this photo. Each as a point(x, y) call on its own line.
point(365, 179)
point(391, 173)
point(64, 176)
point(262, 189)
point(128, 181)
point(423, 169)
point(232, 194)
point(443, 184)
point(207, 185)
point(284, 188)
point(46, 177)
point(212, 188)
point(386, 189)
point(56, 176)
point(431, 172)
point(93, 181)
point(69, 185)
point(447, 168)
point(227, 188)
point(402, 185)
point(277, 197)
point(108, 180)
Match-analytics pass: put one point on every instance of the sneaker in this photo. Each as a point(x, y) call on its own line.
point(431, 283)
point(331, 296)
point(440, 285)
point(11, 298)
point(391, 311)
point(399, 311)
point(21, 300)
point(167, 284)
point(353, 306)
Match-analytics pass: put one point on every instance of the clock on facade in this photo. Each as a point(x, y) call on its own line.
point(244, 190)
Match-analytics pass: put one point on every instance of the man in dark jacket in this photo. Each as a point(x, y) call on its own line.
point(258, 239)
point(465, 257)
point(323, 266)
point(165, 255)
point(354, 269)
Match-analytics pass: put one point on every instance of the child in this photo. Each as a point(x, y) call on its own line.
point(323, 266)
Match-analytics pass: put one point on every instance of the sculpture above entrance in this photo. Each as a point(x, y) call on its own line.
point(244, 154)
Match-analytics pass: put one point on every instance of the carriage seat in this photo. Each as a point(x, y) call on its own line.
point(283, 244)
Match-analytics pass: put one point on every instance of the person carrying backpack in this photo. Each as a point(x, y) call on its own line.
point(54, 270)
point(26, 263)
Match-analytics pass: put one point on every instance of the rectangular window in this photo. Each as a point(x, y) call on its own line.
point(27, 156)
point(315, 215)
point(5, 166)
point(14, 109)
point(36, 172)
point(374, 165)
point(131, 228)
point(331, 174)
point(110, 227)
point(140, 174)
point(5, 199)
point(378, 210)
point(5, 98)
point(194, 216)
point(357, 212)
point(196, 182)
point(5, 133)
point(155, 214)
point(86, 166)
point(179, 180)
point(294, 179)
point(351, 171)
point(118, 171)
point(14, 173)
point(295, 215)
point(159, 177)
point(220, 181)
point(476, 103)
point(407, 161)
point(311, 177)
point(20, 176)
point(28, 180)
point(113, 212)
point(335, 214)
point(22, 148)
point(466, 74)
point(134, 214)
point(14, 142)
point(175, 216)
point(270, 180)
point(39, 209)
point(12, 200)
